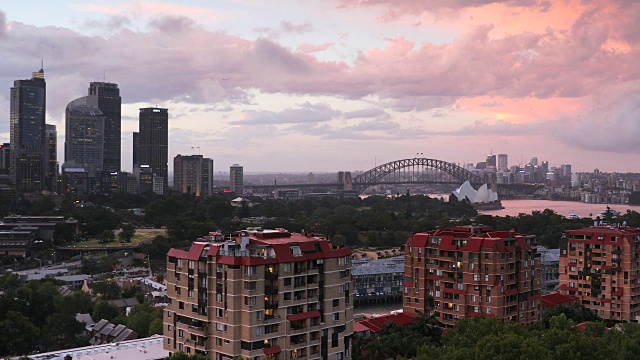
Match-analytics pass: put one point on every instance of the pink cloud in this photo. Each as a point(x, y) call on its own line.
point(312, 48)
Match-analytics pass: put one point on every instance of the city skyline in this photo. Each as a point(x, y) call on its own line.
point(345, 84)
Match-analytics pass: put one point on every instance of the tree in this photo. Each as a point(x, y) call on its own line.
point(106, 236)
point(106, 290)
point(128, 231)
point(104, 310)
point(141, 317)
point(155, 327)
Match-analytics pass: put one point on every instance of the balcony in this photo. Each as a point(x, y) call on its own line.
point(271, 276)
point(270, 290)
point(271, 305)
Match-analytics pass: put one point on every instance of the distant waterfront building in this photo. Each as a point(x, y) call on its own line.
point(549, 260)
point(27, 133)
point(565, 170)
point(154, 142)
point(598, 265)
point(261, 295)
point(84, 137)
point(236, 178)
point(75, 179)
point(378, 278)
point(503, 164)
point(193, 174)
point(491, 162)
point(144, 178)
point(470, 270)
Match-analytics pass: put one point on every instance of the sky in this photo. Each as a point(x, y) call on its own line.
point(335, 85)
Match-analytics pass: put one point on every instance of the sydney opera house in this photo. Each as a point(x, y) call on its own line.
point(484, 195)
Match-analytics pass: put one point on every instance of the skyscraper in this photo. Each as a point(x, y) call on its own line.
point(5, 159)
point(565, 170)
point(236, 178)
point(503, 164)
point(136, 149)
point(84, 137)
point(106, 97)
point(51, 156)
point(193, 175)
point(491, 162)
point(27, 133)
point(154, 141)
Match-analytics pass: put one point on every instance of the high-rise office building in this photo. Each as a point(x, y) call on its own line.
point(106, 97)
point(136, 148)
point(154, 142)
point(470, 270)
point(565, 170)
point(534, 161)
point(109, 102)
point(51, 156)
point(27, 133)
point(5, 158)
point(503, 164)
point(598, 265)
point(491, 162)
point(263, 294)
point(84, 137)
point(236, 178)
point(193, 174)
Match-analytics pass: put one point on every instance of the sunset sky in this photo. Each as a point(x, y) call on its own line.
point(331, 85)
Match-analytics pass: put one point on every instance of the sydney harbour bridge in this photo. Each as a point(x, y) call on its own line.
point(418, 170)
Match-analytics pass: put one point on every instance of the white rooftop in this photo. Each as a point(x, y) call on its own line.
point(141, 349)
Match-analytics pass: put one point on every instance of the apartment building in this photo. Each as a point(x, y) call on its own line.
point(469, 270)
point(599, 265)
point(261, 295)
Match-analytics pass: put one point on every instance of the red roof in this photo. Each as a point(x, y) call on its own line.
point(555, 299)
point(303, 316)
point(376, 324)
point(272, 350)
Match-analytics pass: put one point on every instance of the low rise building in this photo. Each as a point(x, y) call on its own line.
point(378, 277)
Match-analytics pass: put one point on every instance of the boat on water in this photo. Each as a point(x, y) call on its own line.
point(609, 212)
point(573, 215)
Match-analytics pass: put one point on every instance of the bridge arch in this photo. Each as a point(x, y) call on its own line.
point(364, 180)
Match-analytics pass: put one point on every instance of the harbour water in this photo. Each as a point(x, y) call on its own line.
point(515, 207)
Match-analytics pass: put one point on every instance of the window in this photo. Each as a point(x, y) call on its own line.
point(169, 327)
point(286, 267)
point(169, 313)
point(336, 316)
point(219, 297)
point(220, 327)
point(287, 296)
point(488, 310)
point(181, 333)
point(250, 300)
point(260, 315)
point(249, 270)
point(336, 302)
point(180, 305)
point(287, 281)
point(259, 330)
point(476, 277)
point(250, 285)
point(219, 312)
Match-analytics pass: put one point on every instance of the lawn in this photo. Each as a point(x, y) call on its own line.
point(141, 236)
